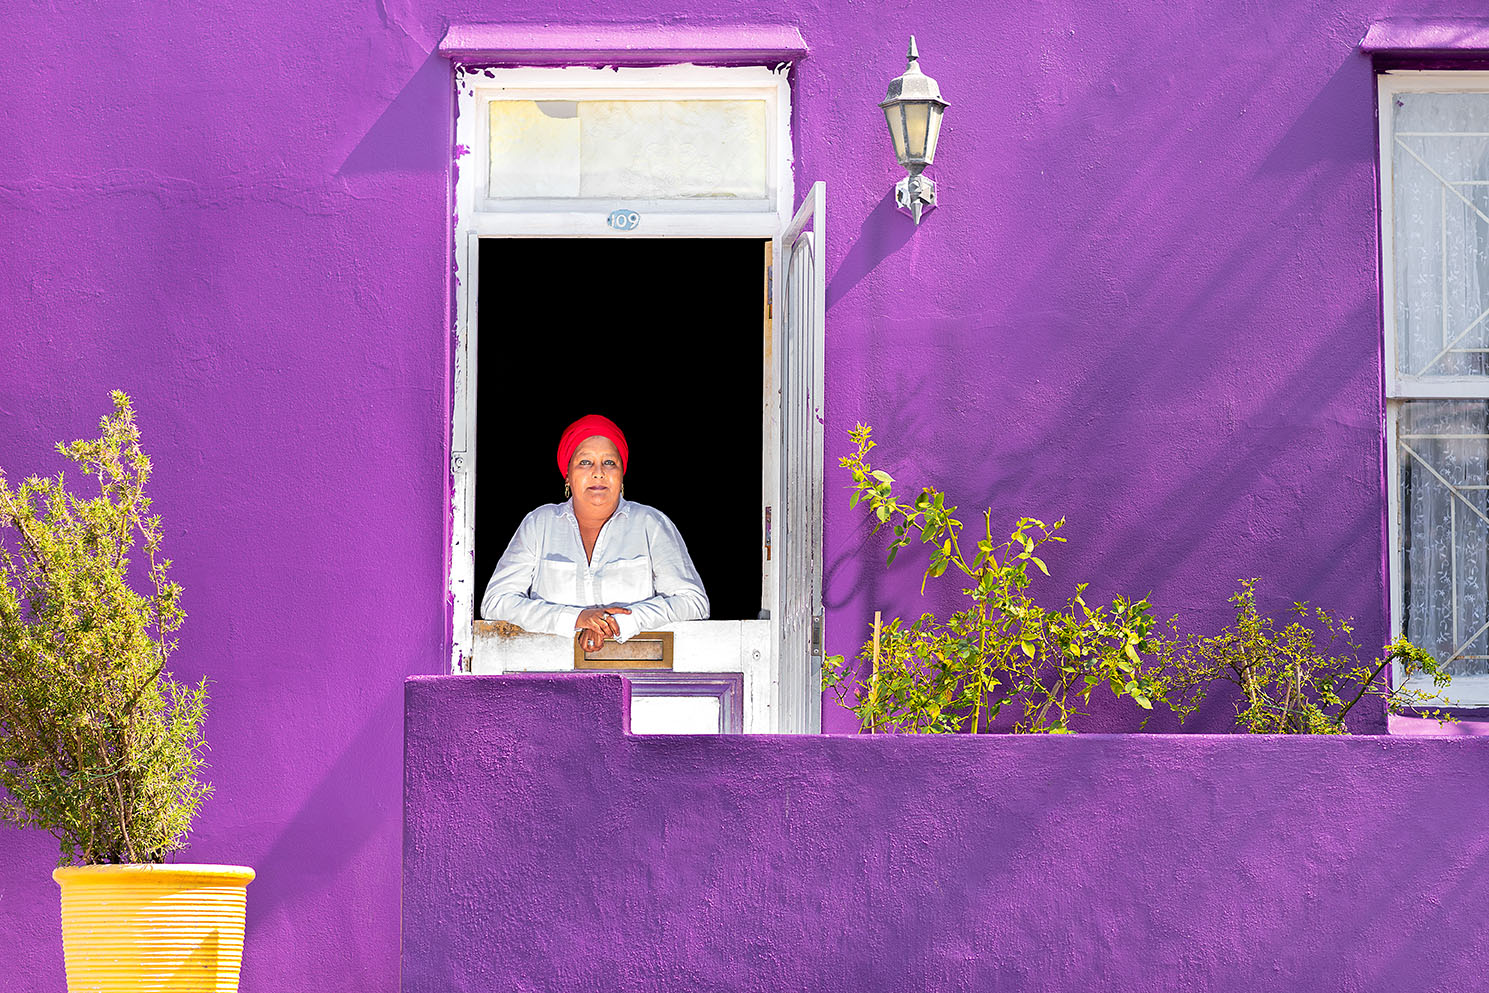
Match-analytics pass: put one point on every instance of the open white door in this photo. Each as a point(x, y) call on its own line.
point(799, 590)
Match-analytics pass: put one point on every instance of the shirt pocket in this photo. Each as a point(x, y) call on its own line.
point(557, 581)
point(627, 580)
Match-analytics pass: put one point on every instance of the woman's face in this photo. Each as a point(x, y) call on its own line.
point(595, 475)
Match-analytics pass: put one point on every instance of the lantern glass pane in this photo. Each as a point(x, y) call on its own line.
point(917, 122)
point(896, 130)
point(632, 149)
point(934, 135)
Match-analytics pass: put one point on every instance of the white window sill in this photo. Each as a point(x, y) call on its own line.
point(697, 646)
point(1467, 692)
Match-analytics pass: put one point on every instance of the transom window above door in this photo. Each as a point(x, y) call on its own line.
point(650, 141)
point(627, 149)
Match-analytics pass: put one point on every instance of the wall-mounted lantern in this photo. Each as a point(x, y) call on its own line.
point(913, 108)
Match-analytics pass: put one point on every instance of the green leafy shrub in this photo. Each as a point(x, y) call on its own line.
point(1003, 650)
point(98, 744)
point(1303, 678)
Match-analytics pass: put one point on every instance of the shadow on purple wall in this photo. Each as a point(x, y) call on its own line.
point(406, 136)
point(1326, 131)
point(330, 828)
point(882, 233)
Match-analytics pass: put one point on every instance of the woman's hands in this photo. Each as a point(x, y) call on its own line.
point(595, 624)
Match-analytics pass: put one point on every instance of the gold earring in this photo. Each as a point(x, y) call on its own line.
point(567, 492)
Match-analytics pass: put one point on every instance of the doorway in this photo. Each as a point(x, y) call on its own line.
point(662, 335)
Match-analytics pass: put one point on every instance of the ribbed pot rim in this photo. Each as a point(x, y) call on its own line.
point(166, 871)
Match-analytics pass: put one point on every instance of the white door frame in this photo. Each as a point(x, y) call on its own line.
point(476, 217)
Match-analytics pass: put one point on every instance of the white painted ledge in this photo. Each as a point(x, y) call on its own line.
point(621, 44)
point(697, 647)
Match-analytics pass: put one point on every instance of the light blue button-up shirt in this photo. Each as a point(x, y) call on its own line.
point(543, 581)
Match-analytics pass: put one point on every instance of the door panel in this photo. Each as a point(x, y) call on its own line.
point(799, 523)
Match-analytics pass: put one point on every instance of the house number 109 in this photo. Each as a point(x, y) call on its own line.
point(623, 220)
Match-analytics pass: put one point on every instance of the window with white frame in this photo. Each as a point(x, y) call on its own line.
point(589, 163)
point(1434, 129)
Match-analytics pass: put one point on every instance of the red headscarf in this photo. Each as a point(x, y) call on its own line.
point(587, 427)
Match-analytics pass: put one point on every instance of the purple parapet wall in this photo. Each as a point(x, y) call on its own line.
point(546, 849)
point(1148, 303)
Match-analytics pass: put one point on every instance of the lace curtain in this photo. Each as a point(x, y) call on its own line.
point(1440, 212)
point(1444, 457)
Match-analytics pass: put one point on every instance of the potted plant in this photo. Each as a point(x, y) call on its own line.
point(99, 745)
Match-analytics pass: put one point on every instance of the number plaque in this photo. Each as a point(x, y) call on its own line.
point(623, 220)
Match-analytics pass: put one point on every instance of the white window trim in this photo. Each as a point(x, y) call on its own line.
point(1465, 691)
point(477, 217)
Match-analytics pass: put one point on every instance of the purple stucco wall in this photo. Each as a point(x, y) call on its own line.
point(1148, 303)
point(546, 849)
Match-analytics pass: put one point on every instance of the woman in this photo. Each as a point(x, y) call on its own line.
point(598, 566)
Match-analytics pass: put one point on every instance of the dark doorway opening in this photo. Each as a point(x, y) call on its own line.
point(664, 337)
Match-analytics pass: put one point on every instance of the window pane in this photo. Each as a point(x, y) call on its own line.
point(628, 149)
point(1444, 458)
point(534, 148)
point(1440, 210)
point(676, 715)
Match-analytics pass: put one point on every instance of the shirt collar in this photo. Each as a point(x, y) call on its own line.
point(622, 509)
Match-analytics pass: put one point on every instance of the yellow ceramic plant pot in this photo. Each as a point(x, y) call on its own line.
point(140, 928)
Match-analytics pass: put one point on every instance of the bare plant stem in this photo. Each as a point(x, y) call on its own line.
point(1365, 685)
